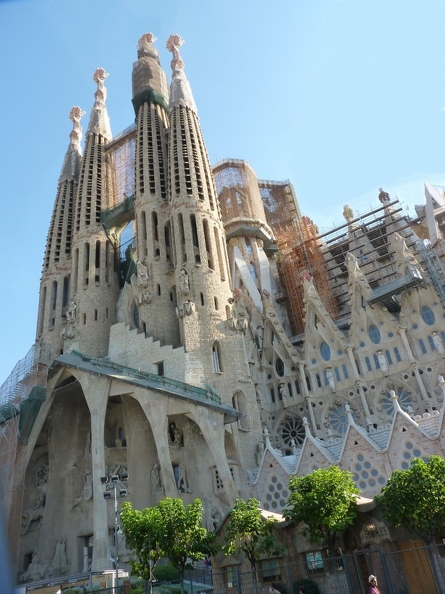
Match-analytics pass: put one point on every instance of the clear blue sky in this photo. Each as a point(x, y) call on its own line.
point(339, 96)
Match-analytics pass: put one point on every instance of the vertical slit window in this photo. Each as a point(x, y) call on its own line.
point(208, 244)
point(216, 356)
point(195, 239)
point(218, 251)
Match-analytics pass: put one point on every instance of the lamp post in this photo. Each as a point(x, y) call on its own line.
point(112, 484)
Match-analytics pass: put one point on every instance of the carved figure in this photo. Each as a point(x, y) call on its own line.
point(142, 275)
point(155, 478)
point(60, 563)
point(437, 340)
point(182, 481)
point(35, 571)
point(216, 517)
point(174, 436)
point(184, 284)
point(382, 361)
point(34, 513)
point(188, 307)
point(71, 313)
point(330, 378)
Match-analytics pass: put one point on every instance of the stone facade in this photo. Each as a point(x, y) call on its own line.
point(174, 354)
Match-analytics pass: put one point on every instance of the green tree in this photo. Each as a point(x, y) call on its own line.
point(324, 501)
point(415, 498)
point(169, 530)
point(250, 531)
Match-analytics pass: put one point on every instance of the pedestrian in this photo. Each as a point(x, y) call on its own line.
point(373, 588)
point(273, 590)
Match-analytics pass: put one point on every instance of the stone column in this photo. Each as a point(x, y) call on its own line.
point(154, 406)
point(96, 392)
point(211, 425)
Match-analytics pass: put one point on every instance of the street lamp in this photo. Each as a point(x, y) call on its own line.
point(112, 484)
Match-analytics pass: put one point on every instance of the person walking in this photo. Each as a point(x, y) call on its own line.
point(373, 588)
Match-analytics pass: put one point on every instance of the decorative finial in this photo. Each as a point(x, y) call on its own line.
point(76, 133)
point(173, 44)
point(383, 196)
point(99, 76)
point(146, 39)
point(348, 213)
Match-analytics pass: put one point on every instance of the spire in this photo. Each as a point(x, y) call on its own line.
point(148, 79)
point(99, 120)
point(180, 91)
point(70, 168)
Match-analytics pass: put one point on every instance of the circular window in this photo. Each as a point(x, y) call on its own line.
point(293, 429)
point(325, 351)
point(374, 334)
point(427, 315)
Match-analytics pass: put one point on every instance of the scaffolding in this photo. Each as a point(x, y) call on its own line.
point(300, 257)
point(122, 154)
point(369, 237)
point(21, 396)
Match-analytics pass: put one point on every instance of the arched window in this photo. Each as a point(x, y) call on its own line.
point(427, 315)
point(279, 367)
point(240, 404)
point(252, 269)
point(216, 356)
point(325, 351)
point(374, 334)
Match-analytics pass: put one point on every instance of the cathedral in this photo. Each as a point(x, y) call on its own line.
point(198, 337)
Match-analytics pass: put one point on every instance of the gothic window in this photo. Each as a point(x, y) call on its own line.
point(368, 363)
point(297, 386)
point(427, 315)
point(252, 270)
point(240, 404)
point(337, 374)
point(325, 351)
point(376, 361)
point(374, 334)
point(422, 346)
point(317, 377)
point(397, 355)
point(279, 367)
point(216, 356)
point(388, 357)
point(272, 394)
point(431, 341)
point(248, 246)
point(345, 371)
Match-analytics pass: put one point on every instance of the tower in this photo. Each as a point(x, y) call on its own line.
point(95, 286)
point(55, 281)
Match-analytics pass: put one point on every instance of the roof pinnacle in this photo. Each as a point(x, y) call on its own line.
point(76, 133)
point(174, 42)
point(99, 121)
point(180, 92)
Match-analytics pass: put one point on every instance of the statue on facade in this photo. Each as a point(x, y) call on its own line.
point(437, 341)
point(184, 284)
point(348, 213)
point(155, 478)
point(71, 313)
point(330, 378)
point(182, 480)
point(383, 196)
point(35, 571)
point(142, 275)
point(59, 564)
point(174, 436)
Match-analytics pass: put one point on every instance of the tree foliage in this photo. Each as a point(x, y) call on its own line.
point(324, 501)
point(250, 532)
point(415, 498)
point(169, 530)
